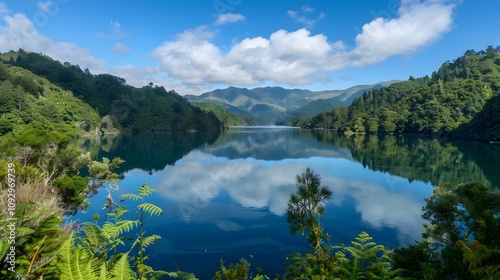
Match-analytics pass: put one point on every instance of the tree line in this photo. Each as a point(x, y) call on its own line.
point(458, 99)
point(149, 108)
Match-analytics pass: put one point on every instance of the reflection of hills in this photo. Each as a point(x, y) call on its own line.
point(153, 151)
point(412, 157)
point(273, 144)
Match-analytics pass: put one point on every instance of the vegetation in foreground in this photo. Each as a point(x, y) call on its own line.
point(460, 242)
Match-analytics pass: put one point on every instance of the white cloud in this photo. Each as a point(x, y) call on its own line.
point(417, 25)
point(19, 32)
point(286, 57)
point(121, 48)
point(229, 18)
point(300, 57)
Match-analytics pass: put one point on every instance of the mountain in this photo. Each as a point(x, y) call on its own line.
point(269, 105)
point(341, 98)
point(150, 108)
point(460, 99)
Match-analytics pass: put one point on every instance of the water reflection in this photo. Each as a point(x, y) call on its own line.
point(381, 199)
point(225, 196)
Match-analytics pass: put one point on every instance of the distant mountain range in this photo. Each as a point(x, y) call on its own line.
point(270, 105)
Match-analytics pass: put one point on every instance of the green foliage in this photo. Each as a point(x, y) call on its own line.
point(363, 260)
point(461, 241)
point(457, 213)
point(306, 206)
point(239, 271)
point(35, 113)
point(99, 253)
point(71, 189)
point(101, 172)
point(39, 235)
point(138, 109)
point(226, 117)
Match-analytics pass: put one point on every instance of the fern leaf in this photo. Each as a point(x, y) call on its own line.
point(146, 190)
point(75, 263)
point(103, 272)
point(122, 270)
point(151, 209)
point(4, 247)
point(130, 196)
point(150, 240)
point(95, 237)
point(24, 231)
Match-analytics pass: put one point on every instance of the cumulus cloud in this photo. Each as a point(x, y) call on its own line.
point(19, 32)
point(300, 57)
point(417, 25)
point(229, 18)
point(286, 57)
point(121, 48)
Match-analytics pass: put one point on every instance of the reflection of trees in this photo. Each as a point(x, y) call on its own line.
point(412, 157)
point(153, 151)
point(419, 158)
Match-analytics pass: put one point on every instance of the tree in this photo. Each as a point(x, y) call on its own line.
point(306, 206)
point(467, 210)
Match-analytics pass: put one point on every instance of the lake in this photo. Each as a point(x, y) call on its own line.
point(224, 195)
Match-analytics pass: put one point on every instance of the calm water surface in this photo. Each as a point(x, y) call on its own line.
point(225, 195)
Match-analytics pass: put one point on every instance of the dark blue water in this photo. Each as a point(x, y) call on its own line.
point(226, 195)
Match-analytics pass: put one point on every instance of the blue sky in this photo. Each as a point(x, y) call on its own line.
point(197, 46)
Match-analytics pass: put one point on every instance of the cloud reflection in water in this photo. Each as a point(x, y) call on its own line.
point(208, 185)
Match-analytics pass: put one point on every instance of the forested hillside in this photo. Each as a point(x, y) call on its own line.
point(150, 108)
point(34, 113)
point(227, 117)
point(457, 99)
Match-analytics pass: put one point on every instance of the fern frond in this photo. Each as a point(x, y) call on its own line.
point(146, 190)
point(114, 230)
point(130, 196)
point(4, 247)
point(95, 237)
point(74, 262)
point(103, 272)
point(150, 240)
point(24, 231)
point(151, 209)
point(122, 270)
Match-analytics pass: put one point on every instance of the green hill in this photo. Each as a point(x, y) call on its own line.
point(150, 108)
point(443, 104)
point(35, 113)
point(227, 117)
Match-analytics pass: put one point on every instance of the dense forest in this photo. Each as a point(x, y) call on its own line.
point(227, 117)
point(150, 108)
point(461, 99)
